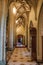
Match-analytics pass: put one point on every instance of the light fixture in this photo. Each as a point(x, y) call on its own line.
point(16, 21)
point(14, 10)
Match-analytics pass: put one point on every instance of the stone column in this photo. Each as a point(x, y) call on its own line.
point(1, 9)
point(14, 31)
point(25, 35)
point(11, 26)
point(26, 30)
point(3, 31)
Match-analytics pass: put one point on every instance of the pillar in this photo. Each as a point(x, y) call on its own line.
point(11, 26)
point(26, 30)
point(3, 31)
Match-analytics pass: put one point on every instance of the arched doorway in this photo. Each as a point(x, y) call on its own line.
point(20, 41)
point(33, 35)
point(40, 31)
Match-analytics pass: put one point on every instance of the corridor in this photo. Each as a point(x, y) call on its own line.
point(21, 32)
point(21, 56)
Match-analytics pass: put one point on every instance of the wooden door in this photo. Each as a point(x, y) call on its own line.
point(34, 47)
point(33, 43)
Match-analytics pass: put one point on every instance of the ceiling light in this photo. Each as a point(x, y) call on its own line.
point(14, 10)
point(16, 21)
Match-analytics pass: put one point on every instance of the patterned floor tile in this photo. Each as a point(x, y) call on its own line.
point(21, 56)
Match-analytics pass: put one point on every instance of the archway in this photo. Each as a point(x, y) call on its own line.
point(20, 40)
point(33, 34)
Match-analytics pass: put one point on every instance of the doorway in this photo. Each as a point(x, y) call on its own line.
point(20, 40)
point(33, 43)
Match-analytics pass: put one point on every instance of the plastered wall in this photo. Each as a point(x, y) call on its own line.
point(35, 24)
point(39, 45)
point(31, 18)
point(40, 31)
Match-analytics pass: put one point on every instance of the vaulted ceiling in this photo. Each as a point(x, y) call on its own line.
point(26, 4)
point(21, 21)
point(30, 2)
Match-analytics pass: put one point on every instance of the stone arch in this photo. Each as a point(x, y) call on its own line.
point(39, 12)
point(38, 8)
point(40, 32)
point(32, 17)
point(24, 15)
point(18, 14)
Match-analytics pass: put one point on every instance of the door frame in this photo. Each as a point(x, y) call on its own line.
point(33, 33)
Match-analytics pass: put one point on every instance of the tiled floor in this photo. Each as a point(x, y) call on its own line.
point(8, 55)
point(21, 56)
